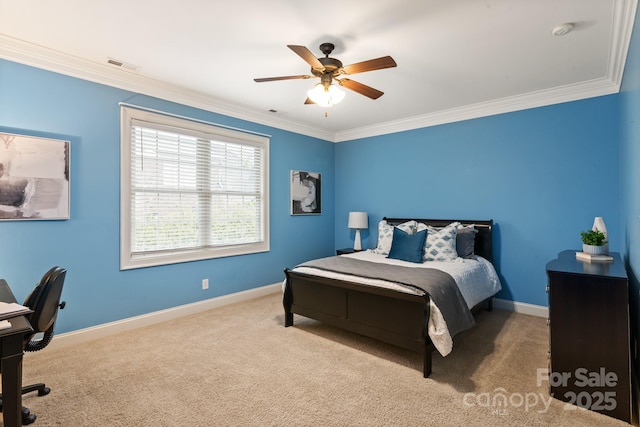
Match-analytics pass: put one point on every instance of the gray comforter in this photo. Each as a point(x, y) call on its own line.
point(440, 286)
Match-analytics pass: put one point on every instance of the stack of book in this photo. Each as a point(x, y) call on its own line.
point(583, 256)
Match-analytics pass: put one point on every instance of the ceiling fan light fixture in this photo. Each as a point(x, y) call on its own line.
point(326, 96)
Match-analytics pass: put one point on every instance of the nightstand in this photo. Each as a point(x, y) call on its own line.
point(345, 251)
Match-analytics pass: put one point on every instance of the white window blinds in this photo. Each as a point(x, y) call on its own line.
point(195, 191)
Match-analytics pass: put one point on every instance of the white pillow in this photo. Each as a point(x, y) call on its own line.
point(441, 242)
point(385, 235)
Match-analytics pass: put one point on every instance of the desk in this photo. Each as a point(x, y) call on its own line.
point(11, 351)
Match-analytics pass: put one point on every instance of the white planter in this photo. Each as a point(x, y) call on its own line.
point(594, 250)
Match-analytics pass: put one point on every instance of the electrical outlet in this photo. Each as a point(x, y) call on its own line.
point(205, 283)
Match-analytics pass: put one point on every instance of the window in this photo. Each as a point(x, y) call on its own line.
point(190, 190)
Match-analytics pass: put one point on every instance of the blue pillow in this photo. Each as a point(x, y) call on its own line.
point(407, 247)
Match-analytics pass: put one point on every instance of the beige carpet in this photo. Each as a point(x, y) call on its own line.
point(238, 366)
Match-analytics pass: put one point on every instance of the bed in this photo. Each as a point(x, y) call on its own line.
point(389, 307)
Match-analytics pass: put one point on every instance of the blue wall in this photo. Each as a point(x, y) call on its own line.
point(542, 175)
point(630, 176)
point(42, 103)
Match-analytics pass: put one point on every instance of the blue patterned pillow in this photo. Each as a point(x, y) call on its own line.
point(441, 242)
point(407, 247)
point(385, 235)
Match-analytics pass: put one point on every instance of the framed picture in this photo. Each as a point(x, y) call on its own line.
point(306, 193)
point(34, 178)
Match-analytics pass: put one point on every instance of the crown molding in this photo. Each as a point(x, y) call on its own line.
point(38, 56)
point(541, 98)
point(16, 50)
point(624, 12)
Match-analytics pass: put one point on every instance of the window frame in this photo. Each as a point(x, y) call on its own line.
point(225, 134)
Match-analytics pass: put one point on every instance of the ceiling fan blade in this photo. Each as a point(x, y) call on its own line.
point(271, 79)
point(360, 88)
point(307, 55)
point(308, 101)
point(370, 65)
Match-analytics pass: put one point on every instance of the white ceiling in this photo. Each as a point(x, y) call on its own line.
point(457, 59)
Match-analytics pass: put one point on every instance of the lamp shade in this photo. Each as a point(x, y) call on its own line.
point(358, 220)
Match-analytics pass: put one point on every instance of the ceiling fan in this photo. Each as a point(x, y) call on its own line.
point(327, 93)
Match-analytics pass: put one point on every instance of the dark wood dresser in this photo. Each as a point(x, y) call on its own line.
point(590, 360)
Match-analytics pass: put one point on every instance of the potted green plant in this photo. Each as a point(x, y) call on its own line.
point(593, 242)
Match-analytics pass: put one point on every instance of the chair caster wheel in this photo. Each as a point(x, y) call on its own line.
point(44, 391)
point(29, 419)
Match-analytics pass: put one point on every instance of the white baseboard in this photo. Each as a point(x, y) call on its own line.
point(106, 329)
point(100, 331)
point(521, 307)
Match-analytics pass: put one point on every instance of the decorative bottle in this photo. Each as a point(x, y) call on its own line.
point(599, 225)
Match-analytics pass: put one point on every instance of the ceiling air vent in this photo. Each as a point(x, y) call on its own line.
point(122, 64)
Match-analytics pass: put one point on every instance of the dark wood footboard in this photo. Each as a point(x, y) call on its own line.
point(393, 317)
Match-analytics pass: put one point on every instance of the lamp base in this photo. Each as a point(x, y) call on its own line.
point(357, 245)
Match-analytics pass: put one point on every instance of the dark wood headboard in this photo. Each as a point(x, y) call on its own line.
point(484, 238)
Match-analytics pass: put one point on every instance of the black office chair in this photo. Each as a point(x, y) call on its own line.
point(44, 300)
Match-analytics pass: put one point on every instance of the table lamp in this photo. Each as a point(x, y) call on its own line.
point(358, 220)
